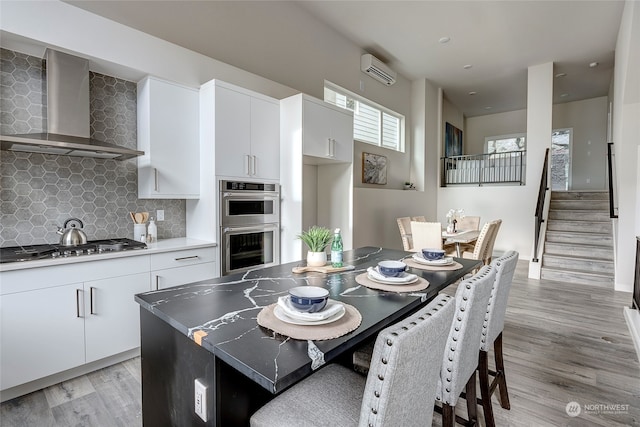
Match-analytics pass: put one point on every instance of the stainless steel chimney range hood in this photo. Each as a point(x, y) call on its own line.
point(67, 115)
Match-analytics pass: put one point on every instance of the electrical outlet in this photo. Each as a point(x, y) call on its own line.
point(200, 399)
point(160, 215)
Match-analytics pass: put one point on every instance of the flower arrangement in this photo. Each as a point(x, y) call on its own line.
point(455, 214)
point(452, 218)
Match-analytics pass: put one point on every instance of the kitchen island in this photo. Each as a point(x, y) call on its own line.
point(208, 331)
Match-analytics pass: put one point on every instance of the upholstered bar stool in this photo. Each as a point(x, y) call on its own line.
point(460, 360)
point(402, 378)
point(492, 327)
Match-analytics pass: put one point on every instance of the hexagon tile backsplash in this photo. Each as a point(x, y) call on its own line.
point(40, 191)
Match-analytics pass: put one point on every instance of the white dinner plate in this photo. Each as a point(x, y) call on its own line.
point(391, 282)
point(281, 315)
point(421, 259)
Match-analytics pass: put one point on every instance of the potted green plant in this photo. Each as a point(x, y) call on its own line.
point(317, 239)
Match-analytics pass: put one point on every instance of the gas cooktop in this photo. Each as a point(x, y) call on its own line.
point(47, 251)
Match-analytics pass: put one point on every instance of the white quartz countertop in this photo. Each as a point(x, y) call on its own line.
point(164, 245)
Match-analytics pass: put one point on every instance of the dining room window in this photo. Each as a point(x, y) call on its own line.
point(372, 123)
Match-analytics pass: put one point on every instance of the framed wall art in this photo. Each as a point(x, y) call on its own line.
point(374, 169)
point(452, 141)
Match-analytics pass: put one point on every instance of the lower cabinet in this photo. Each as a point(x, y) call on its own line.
point(181, 267)
point(112, 317)
point(56, 318)
point(61, 317)
point(42, 333)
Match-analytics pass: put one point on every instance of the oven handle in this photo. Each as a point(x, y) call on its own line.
point(257, 228)
point(250, 195)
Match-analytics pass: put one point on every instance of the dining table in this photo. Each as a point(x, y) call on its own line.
point(459, 237)
point(209, 333)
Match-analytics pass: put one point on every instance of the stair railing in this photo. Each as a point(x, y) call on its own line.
point(610, 155)
point(480, 169)
point(542, 192)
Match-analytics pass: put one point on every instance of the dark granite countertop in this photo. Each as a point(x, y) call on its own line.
point(226, 309)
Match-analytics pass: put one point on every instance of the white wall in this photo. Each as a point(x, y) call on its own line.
point(588, 119)
point(478, 128)
point(626, 137)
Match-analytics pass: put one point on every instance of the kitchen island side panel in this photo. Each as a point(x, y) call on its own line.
point(170, 364)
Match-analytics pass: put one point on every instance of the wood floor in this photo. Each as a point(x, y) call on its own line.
point(562, 343)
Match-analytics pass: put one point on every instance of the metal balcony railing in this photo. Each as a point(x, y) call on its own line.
point(480, 169)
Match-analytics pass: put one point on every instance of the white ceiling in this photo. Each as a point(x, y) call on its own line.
point(499, 39)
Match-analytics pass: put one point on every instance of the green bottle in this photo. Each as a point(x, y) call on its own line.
point(336, 249)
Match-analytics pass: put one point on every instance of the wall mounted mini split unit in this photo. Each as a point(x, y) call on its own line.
point(377, 69)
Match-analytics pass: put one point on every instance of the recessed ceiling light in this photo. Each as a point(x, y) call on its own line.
point(466, 67)
point(561, 75)
point(593, 65)
point(564, 95)
point(488, 107)
point(473, 92)
point(444, 39)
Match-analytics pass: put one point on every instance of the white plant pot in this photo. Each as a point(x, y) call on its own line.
point(316, 259)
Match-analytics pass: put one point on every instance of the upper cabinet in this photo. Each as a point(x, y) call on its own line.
point(327, 130)
point(168, 133)
point(247, 132)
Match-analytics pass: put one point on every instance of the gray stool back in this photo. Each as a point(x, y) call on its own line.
point(492, 335)
point(461, 352)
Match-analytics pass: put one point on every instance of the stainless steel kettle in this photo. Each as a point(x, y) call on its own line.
point(72, 236)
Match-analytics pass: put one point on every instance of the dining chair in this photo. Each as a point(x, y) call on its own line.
point(426, 235)
point(403, 376)
point(460, 359)
point(468, 223)
point(492, 240)
point(492, 327)
point(404, 224)
point(482, 243)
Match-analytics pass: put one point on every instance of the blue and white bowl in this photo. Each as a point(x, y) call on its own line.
point(432, 254)
point(391, 268)
point(308, 299)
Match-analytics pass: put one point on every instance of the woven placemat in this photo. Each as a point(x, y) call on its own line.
point(415, 264)
point(347, 323)
point(420, 285)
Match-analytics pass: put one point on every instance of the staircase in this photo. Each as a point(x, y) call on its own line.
point(578, 246)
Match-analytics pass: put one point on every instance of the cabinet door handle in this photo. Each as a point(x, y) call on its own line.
point(333, 147)
point(155, 178)
point(78, 292)
point(247, 164)
point(157, 282)
point(184, 258)
point(91, 300)
point(328, 147)
point(253, 165)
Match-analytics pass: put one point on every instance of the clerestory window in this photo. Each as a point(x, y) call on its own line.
point(372, 123)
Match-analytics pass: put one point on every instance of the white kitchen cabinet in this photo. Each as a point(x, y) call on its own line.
point(327, 130)
point(168, 133)
point(61, 317)
point(42, 333)
point(316, 155)
point(112, 317)
point(246, 131)
point(184, 266)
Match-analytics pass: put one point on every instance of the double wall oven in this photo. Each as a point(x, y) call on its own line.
point(249, 225)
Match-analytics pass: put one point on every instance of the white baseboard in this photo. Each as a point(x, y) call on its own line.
point(633, 321)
